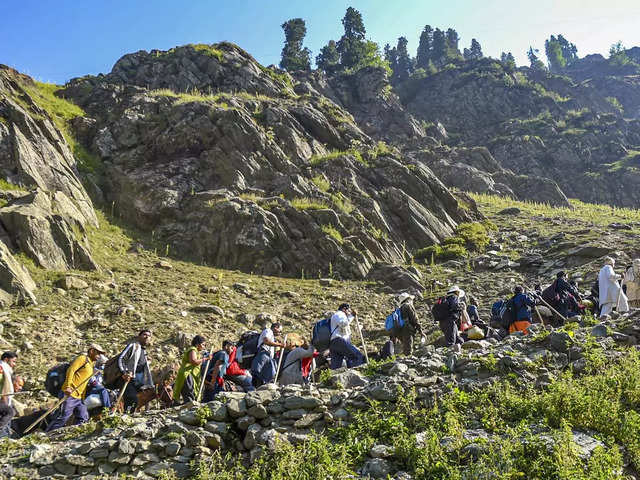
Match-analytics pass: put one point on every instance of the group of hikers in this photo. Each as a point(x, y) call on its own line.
point(92, 382)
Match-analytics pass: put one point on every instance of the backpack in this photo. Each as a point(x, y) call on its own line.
point(549, 294)
point(394, 320)
point(440, 309)
point(508, 314)
point(497, 309)
point(247, 348)
point(111, 372)
point(388, 350)
point(321, 335)
point(55, 378)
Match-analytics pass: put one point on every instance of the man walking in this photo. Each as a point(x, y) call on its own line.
point(411, 326)
point(7, 364)
point(341, 347)
point(135, 369)
point(263, 367)
point(75, 387)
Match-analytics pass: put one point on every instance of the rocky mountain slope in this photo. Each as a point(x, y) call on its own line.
point(581, 132)
point(230, 164)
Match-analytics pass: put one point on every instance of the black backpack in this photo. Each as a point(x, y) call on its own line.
point(440, 309)
point(550, 295)
point(247, 348)
point(508, 315)
point(55, 378)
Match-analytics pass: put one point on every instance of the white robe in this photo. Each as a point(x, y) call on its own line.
point(610, 289)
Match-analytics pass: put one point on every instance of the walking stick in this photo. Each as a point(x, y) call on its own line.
point(60, 402)
point(364, 347)
point(206, 370)
point(550, 307)
point(115, 405)
point(538, 313)
point(275, 379)
point(619, 295)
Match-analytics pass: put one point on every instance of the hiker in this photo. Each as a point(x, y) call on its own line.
point(74, 388)
point(340, 347)
point(236, 374)
point(133, 367)
point(188, 379)
point(8, 362)
point(97, 395)
point(450, 319)
point(632, 282)
point(611, 295)
point(522, 303)
point(297, 361)
point(263, 367)
point(405, 334)
point(568, 296)
point(214, 376)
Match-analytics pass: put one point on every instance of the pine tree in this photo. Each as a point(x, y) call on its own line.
point(569, 50)
point(439, 48)
point(329, 58)
point(391, 56)
point(404, 65)
point(352, 46)
point(536, 63)
point(294, 57)
point(453, 40)
point(508, 60)
point(466, 54)
point(554, 54)
point(618, 54)
point(475, 50)
point(423, 55)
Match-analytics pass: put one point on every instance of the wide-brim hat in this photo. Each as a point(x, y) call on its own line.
point(455, 289)
point(97, 348)
point(404, 296)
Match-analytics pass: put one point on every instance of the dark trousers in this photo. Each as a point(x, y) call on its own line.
point(450, 330)
point(245, 381)
point(187, 392)
point(71, 406)
point(263, 368)
point(6, 414)
point(340, 349)
point(407, 343)
point(130, 398)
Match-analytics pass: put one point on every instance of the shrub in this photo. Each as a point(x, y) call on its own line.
point(332, 232)
point(321, 182)
point(308, 204)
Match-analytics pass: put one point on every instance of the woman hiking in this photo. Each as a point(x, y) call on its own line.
point(188, 378)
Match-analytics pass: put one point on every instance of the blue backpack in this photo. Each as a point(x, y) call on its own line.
point(321, 335)
point(394, 320)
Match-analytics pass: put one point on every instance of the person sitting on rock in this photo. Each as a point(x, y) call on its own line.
point(406, 333)
point(236, 374)
point(187, 382)
point(263, 367)
point(133, 367)
point(632, 282)
point(340, 347)
point(522, 304)
point(449, 322)
point(292, 370)
point(610, 291)
point(74, 389)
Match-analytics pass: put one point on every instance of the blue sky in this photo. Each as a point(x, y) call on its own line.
point(55, 41)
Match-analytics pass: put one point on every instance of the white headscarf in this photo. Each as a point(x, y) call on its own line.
point(7, 385)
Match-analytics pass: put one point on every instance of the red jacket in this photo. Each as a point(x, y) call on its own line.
point(234, 368)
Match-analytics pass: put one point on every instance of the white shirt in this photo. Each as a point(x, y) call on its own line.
point(267, 334)
point(340, 325)
point(7, 386)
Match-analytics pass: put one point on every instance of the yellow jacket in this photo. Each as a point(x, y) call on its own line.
point(78, 374)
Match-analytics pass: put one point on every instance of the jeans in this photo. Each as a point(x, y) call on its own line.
point(245, 381)
point(340, 349)
point(71, 406)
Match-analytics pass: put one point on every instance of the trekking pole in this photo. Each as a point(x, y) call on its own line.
point(206, 370)
point(275, 379)
point(539, 316)
point(551, 308)
point(619, 295)
point(115, 405)
point(364, 347)
point(18, 393)
point(60, 402)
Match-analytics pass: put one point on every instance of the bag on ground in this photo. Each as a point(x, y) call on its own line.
point(394, 320)
point(55, 378)
point(475, 333)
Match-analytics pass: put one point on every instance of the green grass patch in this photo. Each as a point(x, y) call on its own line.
point(342, 203)
point(308, 204)
point(316, 160)
point(208, 50)
point(333, 233)
point(6, 185)
point(321, 182)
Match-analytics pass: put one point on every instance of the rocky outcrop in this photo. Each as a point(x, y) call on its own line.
point(255, 177)
point(44, 208)
point(16, 284)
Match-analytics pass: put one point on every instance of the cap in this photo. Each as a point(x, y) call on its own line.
point(96, 347)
